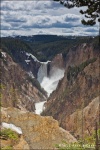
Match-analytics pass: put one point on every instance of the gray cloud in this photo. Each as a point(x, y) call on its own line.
point(37, 17)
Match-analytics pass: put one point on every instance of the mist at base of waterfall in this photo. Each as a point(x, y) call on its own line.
point(50, 83)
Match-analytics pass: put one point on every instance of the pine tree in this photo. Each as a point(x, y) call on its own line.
point(92, 12)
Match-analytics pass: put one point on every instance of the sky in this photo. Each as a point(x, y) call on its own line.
point(29, 17)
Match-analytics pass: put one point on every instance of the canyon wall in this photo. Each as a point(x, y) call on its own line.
point(18, 88)
point(78, 88)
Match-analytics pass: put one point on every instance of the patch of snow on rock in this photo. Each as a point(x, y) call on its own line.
point(12, 127)
point(34, 58)
point(31, 75)
point(3, 54)
point(27, 61)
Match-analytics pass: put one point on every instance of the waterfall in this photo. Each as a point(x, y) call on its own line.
point(43, 71)
point(48, 79)
point(49, 83)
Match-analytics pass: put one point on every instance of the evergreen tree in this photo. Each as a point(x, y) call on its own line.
point(92, 12)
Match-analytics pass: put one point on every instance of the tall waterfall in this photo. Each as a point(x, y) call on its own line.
point(49, 83)
point(42, 72)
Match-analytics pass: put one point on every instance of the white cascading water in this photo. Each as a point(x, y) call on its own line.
point(48, 83)
point(42, 72)
point(39, 107)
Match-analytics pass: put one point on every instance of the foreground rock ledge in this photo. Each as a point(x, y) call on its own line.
point(39, 132)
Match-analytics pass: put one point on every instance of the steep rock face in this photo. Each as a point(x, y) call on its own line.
point(18, 89)
point(39, 132)
point(79, 86)
point(90, 115)
point(28, 62)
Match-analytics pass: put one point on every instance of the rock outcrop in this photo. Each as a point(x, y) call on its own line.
point(19, 144)
point(39, 132)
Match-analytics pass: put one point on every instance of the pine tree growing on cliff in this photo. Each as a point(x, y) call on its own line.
point(92, 12)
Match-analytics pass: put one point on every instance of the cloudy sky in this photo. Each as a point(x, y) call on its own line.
point(41, 17)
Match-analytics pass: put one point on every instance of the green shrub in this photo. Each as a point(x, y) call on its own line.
point(7, 148)
point(8, 133)
point(73, 71)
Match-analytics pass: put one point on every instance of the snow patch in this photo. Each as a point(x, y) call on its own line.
point(12, 127)
point(3, 54)
point(31, 75)
point(34, 58)
point(27, 61)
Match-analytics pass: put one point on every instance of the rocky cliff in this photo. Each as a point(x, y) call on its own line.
point(18, 88)
point(79, 86)
point(39, 132)
point(84, 119)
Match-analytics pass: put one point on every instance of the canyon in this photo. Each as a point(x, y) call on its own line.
point(77, 90)
point(64, 86)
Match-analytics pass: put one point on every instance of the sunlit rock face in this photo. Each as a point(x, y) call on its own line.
point(39, 132)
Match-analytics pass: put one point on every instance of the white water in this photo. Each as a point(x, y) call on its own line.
point(50, 83)
point(39, 107)
point(12, 127)
point(42, 72)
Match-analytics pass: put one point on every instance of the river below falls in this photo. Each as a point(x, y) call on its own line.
point(39, 107)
